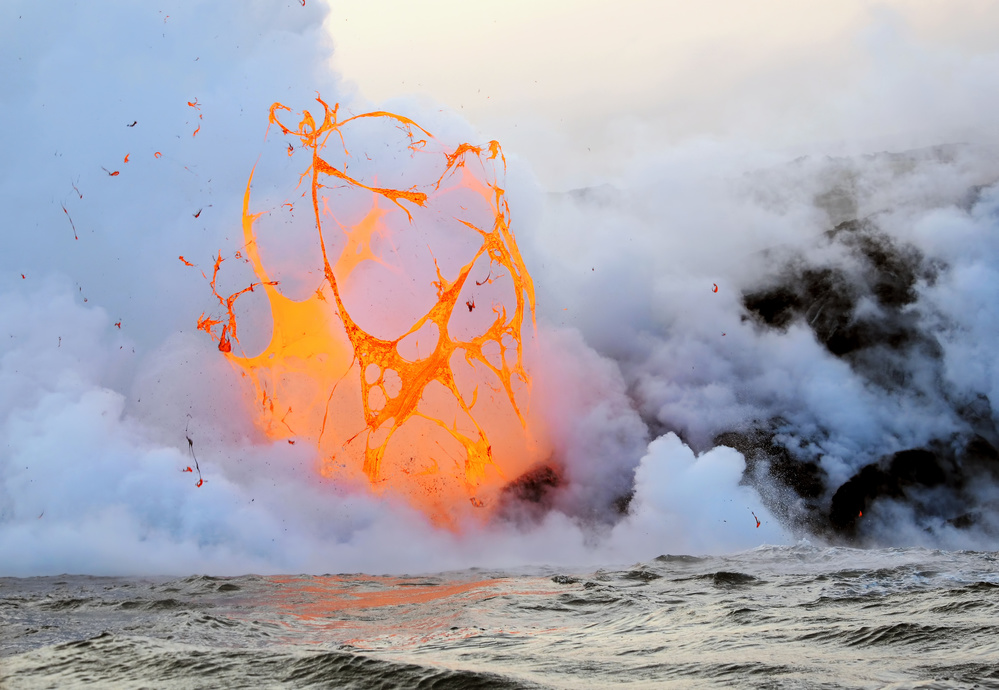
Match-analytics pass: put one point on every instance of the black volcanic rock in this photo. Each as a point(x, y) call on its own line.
point(890, 477)
point(862, 305)
point(878, 342)
point(528, 497)
point(759, 444)
point(932, 481)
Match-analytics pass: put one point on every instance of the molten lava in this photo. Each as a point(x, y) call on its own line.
point(445, 424)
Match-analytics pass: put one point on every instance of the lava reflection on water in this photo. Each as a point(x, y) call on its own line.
point(374, 612)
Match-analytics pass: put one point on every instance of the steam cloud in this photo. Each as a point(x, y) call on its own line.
point(846, 361)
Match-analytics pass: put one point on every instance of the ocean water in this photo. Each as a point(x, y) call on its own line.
point(773, 617)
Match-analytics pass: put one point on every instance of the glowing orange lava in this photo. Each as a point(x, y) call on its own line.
point(445, 424)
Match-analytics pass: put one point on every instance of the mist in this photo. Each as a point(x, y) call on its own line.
point(728, 335)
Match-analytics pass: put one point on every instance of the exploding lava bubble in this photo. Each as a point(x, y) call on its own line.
point(402, 359)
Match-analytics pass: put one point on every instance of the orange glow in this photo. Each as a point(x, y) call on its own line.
point(335, 594)
point(157, 155)
point(433, 407)
point(126, 157)
point(426, 610)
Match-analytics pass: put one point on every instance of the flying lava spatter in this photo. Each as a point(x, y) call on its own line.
point(441, 424)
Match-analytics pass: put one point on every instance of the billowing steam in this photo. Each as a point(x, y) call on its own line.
point(732, 348)
point(828, 319)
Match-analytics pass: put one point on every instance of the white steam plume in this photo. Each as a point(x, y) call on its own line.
point(93, 417)
point(103, 376)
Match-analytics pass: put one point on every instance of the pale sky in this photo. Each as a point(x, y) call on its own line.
point(553, 78)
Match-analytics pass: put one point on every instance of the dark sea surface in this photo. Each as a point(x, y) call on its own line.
point(773, 617)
